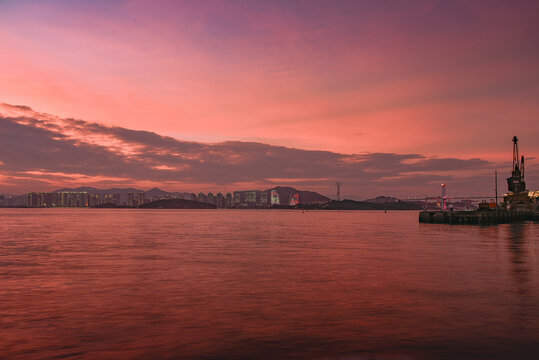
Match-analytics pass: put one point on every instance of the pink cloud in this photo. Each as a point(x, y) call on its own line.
point(436, 78)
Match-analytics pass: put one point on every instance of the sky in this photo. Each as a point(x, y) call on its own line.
point(389, 97)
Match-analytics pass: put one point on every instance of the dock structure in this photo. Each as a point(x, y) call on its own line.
point(498, 216)
point(519, 204)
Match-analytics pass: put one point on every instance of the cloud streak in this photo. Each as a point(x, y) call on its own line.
point(428, 77)
point(40, 151)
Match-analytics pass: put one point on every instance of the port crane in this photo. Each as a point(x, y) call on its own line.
point(515, 183)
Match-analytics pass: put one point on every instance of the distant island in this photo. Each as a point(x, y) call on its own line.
point(177, 204)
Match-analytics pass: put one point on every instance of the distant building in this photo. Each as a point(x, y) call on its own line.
point(73, 199)
point(52, 199)
point(220, 200)
point(275, 200)
point(130, 199)
point(201, 197)
point(229, 200)
point(2, 200)
point(141, 199)
point(210, 199)
point(84, 200)
point(41, 199)
point(294, 200)
point(64, 199)
point(94, 200)
point(116, 199)
point(194, 197)
point(247, 198)
point(264, 199)
point(31, 199)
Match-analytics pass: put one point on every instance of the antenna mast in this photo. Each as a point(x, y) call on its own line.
point(496, 186)
point(338, 184)
point(516, 165)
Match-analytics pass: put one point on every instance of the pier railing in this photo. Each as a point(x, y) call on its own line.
point(497, 216)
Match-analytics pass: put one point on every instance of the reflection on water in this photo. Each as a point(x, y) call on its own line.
point(88, 284)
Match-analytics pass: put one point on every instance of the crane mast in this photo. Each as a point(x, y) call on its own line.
point(515, 183)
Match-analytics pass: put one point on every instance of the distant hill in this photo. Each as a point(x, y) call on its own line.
point(366, 205)
point(383, 199)
point(177, 204)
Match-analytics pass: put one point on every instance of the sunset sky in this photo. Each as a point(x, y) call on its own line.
point(390, 97)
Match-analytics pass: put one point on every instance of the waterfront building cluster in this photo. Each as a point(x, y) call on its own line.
point(237, 199)
point(78, 199)
point(256, 198)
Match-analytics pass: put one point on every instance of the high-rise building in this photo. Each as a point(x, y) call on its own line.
point(238, 200)
point(210, 199)
point(229, 203)
point(194, 197)
point(84, 200)
point(141, 199)
point(51, 199)
point(41, 199)
point(219, 200)
point(107, 199)
point(64, 199)
point(73, 200)
point(94, 200)
point(31, 199)
point(264, 199)
point(2, 200)
point(130, 199)
point(275, 198)
point(201, 197)
point(249, 198)
point(116, 199)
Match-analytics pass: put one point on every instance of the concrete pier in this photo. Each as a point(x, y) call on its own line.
point(476, 217)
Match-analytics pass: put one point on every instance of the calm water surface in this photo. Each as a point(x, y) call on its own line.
point(238, 284)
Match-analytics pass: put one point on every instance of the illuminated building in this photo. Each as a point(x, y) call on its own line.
point(275, 198)
point(294, 200)
point(210, 198)
point(107, 199)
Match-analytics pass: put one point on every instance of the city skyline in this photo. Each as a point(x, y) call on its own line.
point(390, 98)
